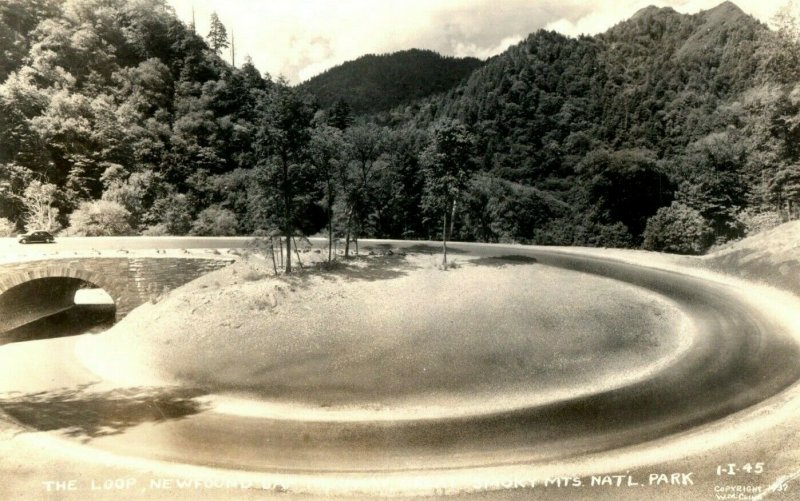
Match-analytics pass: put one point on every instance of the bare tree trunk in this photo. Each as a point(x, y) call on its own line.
point(233, 50)
point(330, 217)
point(444, 239)
point(272, 253)
point(288, 222)
point(347, 236)
point(330, 234)
point(452, 219)
point(297, 253)
point(356, 242)
point(288, 254)
point(280, 248)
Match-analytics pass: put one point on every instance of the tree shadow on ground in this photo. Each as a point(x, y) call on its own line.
point(379, 247)
point(432, 249)
point(361, 268)
point(85, 414)
point(502, 261)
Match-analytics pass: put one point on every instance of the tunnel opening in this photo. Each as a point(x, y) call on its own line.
point(54, 307)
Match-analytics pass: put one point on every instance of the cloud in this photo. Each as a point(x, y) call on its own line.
point(301, 38)
point(471, 50)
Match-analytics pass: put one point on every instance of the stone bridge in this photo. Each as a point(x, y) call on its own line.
point(32, 290)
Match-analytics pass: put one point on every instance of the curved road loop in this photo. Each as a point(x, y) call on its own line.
point(739, 358)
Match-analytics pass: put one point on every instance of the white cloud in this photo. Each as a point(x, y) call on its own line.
point(471, 50)
point(300, 38)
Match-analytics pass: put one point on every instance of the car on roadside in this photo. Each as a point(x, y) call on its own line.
point(36, 237)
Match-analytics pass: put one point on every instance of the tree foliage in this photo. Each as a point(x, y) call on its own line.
point(41, 213)
point(217, 34)
point(215, 221)
point(668, 130)
point(100, 218)
point(679, 229)
point(378, 83)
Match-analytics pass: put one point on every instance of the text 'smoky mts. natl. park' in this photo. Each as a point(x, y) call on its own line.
point(509, 250)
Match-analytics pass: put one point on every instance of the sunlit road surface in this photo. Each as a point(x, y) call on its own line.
point(11, 249)
point(740, 357)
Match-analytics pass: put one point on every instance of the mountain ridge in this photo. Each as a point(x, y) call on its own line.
point(378, 82)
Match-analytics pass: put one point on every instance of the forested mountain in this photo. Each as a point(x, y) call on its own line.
point(669, 131)
point(375, 83)
point(683, 113)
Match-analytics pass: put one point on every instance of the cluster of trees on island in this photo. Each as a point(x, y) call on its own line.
point(669, 131)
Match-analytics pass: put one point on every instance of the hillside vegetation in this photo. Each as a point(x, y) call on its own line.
point(375, 83)
point(669, 131)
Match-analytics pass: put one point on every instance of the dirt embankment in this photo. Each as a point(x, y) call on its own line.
point(771, 257)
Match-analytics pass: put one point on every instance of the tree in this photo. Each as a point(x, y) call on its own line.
point(171, 214)
point(678, 229)
point(713, 183)
point(340, 115)
point(217, 34)
point(100, 218)
point(448, 167)
point(365, 145)
point(40, 212)
point(282, 135)
point(13, 181)
point(626, 186)
point(325, 150)
point(137, 193)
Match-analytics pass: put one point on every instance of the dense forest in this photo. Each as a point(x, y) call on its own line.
point(375, 83)
point(669, 132)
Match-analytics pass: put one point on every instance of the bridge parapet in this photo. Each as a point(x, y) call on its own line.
point(130, 281)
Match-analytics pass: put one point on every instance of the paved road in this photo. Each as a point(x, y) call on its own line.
point(740, 358)
point(11, 249)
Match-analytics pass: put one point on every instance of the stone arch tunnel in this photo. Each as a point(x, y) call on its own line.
point(33, 290)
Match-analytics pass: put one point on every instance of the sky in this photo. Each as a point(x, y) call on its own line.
point(302, 38)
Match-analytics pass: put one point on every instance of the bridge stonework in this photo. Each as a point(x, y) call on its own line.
point(130, 281)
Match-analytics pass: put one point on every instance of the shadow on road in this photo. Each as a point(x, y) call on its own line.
point(502, 261)
point(85, 414)
point(75, 321)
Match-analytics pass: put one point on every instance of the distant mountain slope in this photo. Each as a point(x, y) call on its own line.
point(660, 108)
point(375, 83)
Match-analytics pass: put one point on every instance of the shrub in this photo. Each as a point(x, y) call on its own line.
point(156, 230)
point(756, 222)
point(7, 228)
point(100, 218)
point(215, 221)
point(678, 229)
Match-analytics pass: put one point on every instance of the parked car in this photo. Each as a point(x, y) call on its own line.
point(41, 237)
